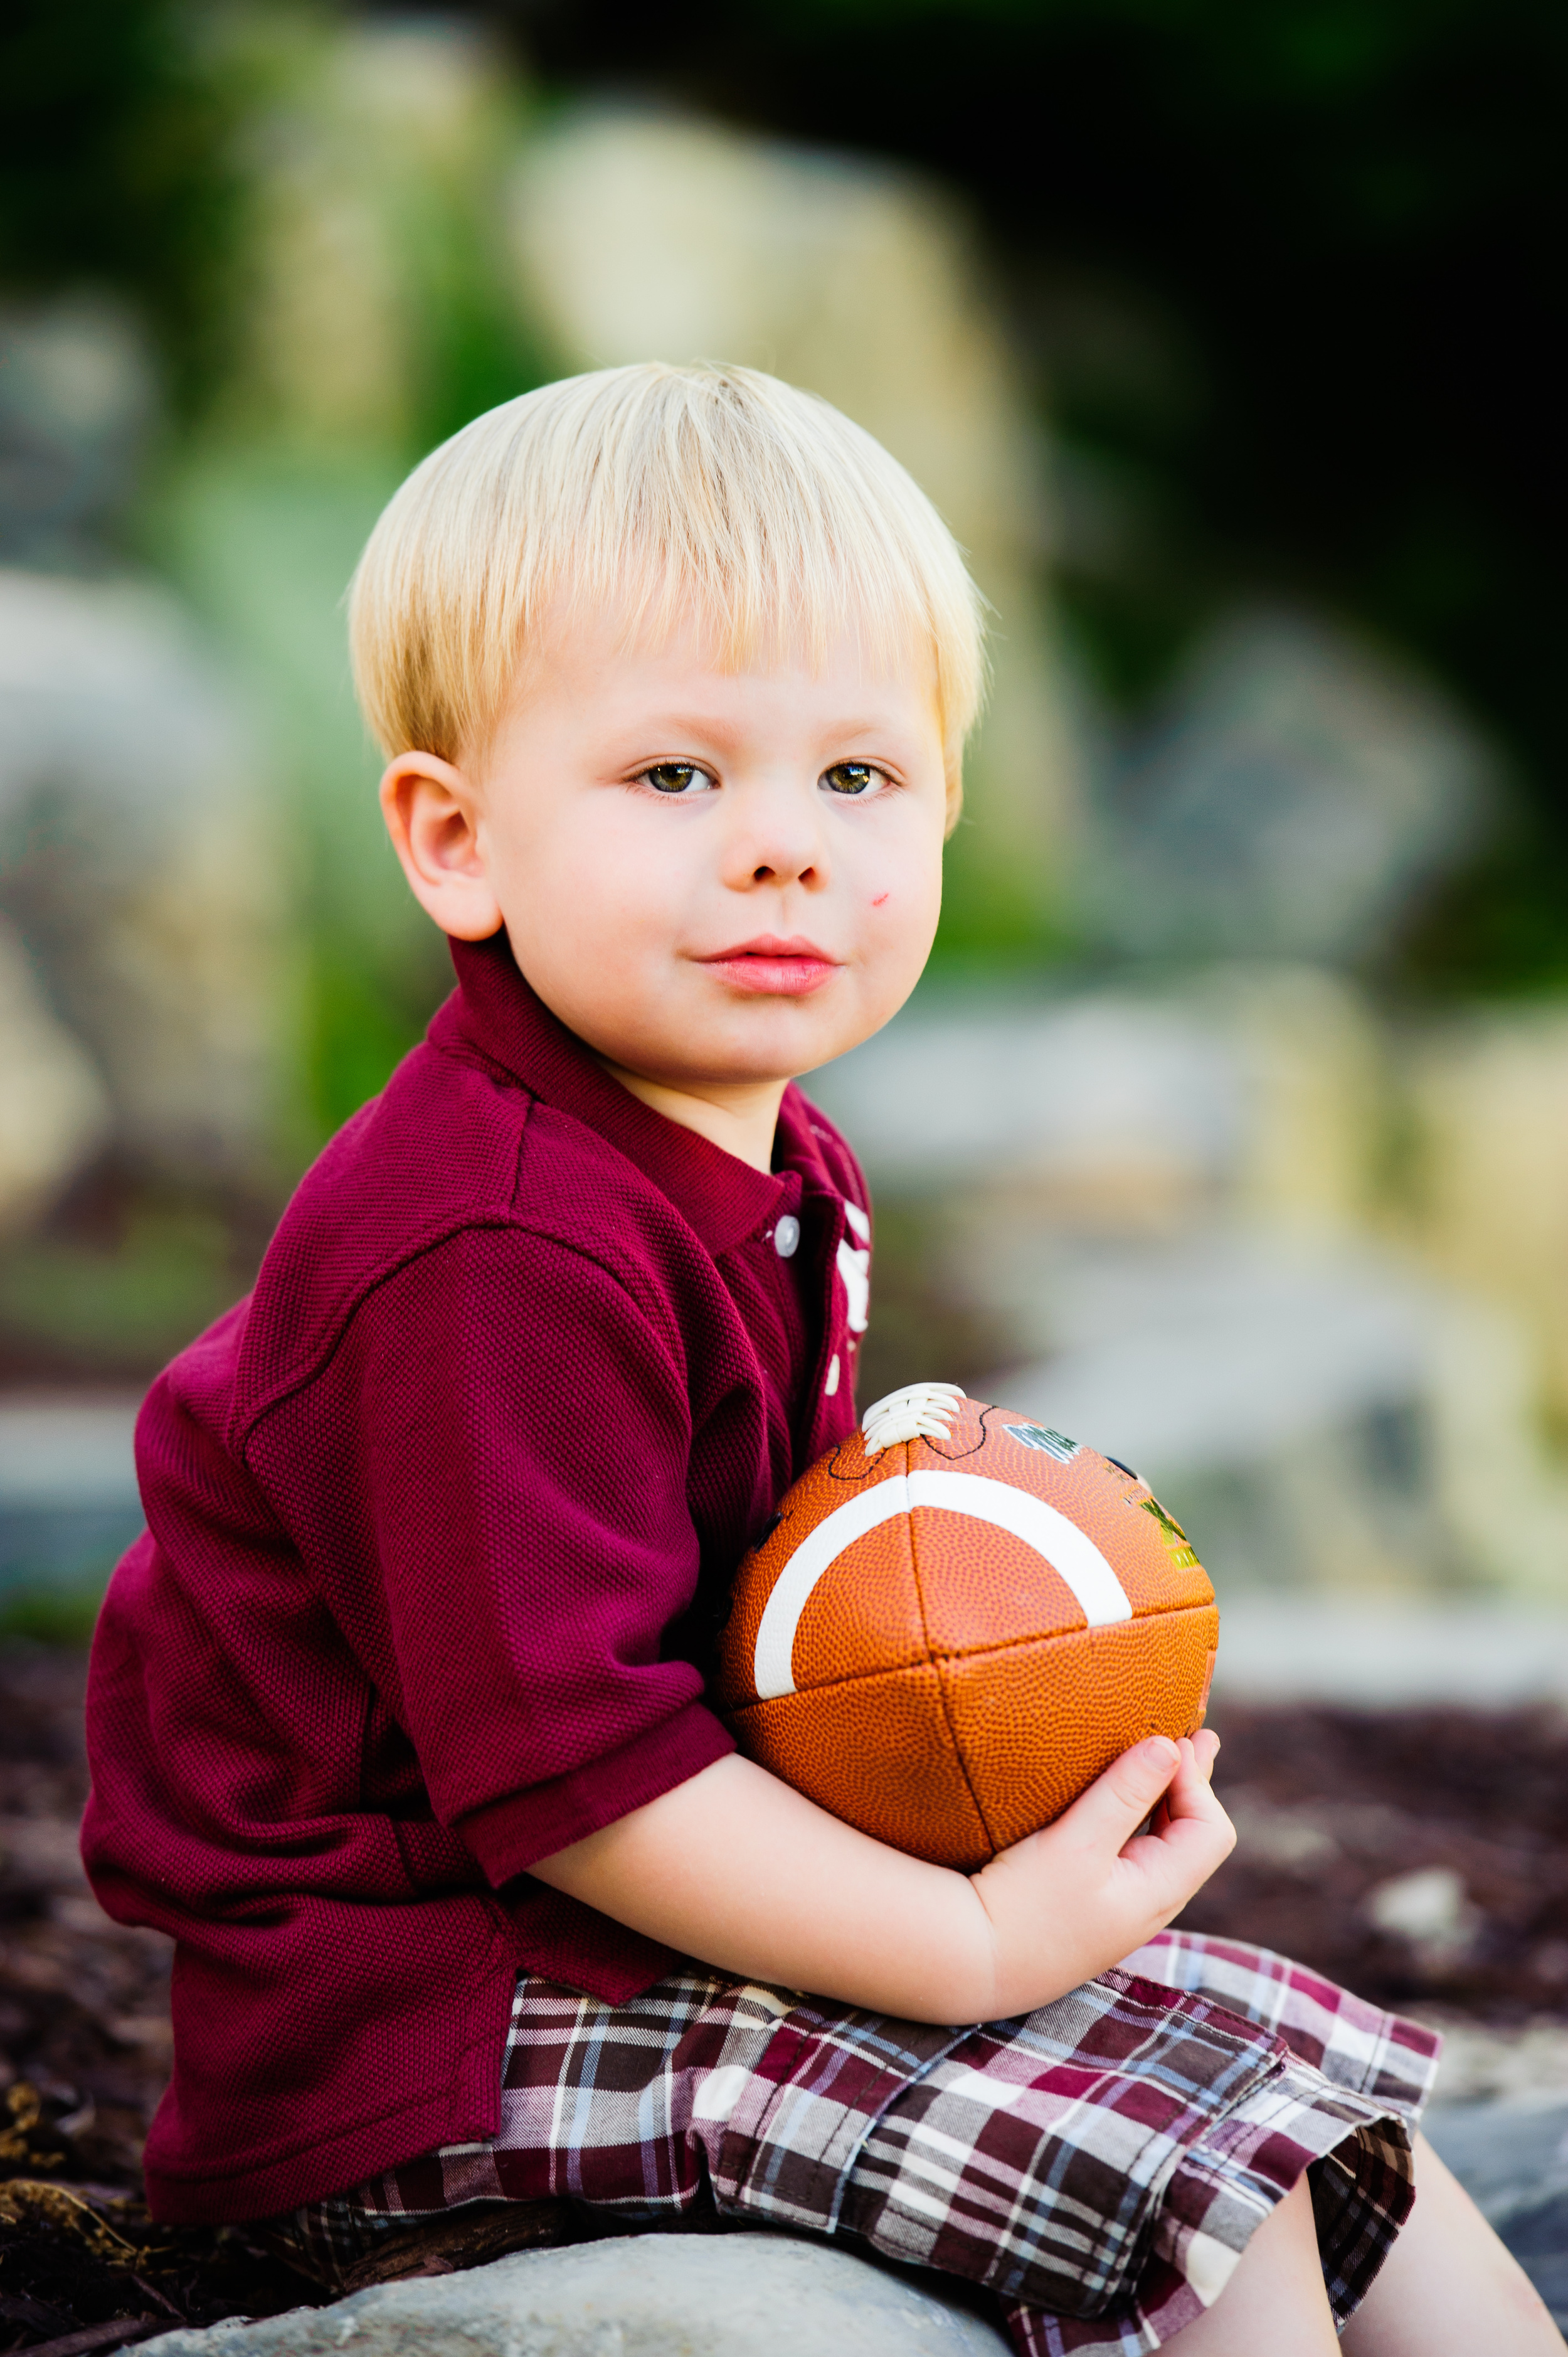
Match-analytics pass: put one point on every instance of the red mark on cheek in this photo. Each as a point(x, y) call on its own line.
point(879, 899)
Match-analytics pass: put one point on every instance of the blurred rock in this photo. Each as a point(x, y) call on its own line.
point(1322, 1412)
point(78, 397)
point(68, 1499)
point(1488, 1145)
point(644, 236)
point(1168, 1201)
point(1394, 1650)
point(740, 2294)
point(1255, 1090)
point(1297, 792)
point(141, 864)
point(1494, 2063)
point(1430, 1909)
point(53, 1110)
point(375, 254)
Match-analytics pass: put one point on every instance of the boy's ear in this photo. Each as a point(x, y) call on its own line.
point(432, 816)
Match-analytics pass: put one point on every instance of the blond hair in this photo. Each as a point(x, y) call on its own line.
point(713, 494)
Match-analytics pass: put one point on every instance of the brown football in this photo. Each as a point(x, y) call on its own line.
point(958, 1620)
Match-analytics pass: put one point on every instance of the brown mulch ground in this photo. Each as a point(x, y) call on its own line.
point(1333, 1807)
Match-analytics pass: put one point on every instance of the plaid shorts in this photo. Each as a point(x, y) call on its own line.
point(1096, 2169)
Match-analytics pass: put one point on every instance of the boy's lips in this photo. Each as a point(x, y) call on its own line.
point(773, 967)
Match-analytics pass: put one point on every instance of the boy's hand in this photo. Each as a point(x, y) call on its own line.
point(1085, 1891)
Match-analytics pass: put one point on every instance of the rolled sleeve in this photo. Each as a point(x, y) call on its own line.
point(523, 1539)
point(513, 1835)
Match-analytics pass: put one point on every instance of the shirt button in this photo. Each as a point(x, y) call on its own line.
point(787, 1235)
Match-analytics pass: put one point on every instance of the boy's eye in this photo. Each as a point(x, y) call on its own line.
point(676, 778)
point(851, 778)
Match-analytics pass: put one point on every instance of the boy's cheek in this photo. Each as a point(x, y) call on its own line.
point(902, 903)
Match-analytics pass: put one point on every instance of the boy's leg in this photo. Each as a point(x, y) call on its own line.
point(1274, 2304)
point(1448, 2287)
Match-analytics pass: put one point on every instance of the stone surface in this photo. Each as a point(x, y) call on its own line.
point(1489, 1134)
point(634, 2296)
point(141, 865)
point(1391, 1653)
point(1166, 1206)
point(53, 1110)
point(1296, 794)
point(1253, 1088)
point(78, 399)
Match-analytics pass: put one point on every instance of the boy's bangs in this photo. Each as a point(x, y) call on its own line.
point(752, 616)
point(711, 499)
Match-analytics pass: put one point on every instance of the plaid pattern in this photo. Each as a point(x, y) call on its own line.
point(1098, 2167)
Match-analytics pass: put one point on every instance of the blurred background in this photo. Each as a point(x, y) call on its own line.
point(1229, 1128)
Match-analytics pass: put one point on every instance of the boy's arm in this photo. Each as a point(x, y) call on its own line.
point(735, 1868)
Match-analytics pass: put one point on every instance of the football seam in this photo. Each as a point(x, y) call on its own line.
point(931, 1659)
point(942, 1692)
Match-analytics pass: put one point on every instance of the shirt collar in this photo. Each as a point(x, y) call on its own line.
point(497, 1010)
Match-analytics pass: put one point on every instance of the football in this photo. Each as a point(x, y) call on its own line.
point(957, 1621)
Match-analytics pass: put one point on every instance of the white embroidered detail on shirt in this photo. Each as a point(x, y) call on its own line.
point(855, 1267)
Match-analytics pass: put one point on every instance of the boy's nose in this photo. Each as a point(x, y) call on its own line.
point(782, 871)
point(785, 848)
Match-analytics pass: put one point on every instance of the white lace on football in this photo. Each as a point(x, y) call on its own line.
point(920, 1411)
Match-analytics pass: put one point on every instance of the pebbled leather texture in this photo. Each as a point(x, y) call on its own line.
point(950, 1695)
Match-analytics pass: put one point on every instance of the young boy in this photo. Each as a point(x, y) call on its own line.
point(397, 1717)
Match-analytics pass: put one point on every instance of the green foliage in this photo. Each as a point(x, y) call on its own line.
point(123, 1305)
point(992, 915)
point(360, 1026)
point(51, 1616)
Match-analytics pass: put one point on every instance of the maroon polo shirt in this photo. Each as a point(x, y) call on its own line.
point(440, 1522)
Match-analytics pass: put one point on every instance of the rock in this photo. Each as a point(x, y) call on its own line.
point(1167, 1204)
point(53, 1110)
point(68, 1501)
point(743, 2295)
point(1255, 1089)
point(1430, 1909)
point(1297, 792)
point(77, 396)
point(374, 168)
point(1488, 1137)
point(1396, 1650)
point(1483, 2064)
point(141, 864)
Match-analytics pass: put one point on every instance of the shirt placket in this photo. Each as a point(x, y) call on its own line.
point(826, 1224)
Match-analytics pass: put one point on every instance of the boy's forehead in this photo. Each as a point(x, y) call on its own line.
point(642, 644)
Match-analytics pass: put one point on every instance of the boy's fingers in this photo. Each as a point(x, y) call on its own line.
point(1191, 1793)
point(1121, 1798)
point(1186, 1851)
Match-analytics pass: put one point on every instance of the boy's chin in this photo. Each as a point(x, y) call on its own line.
point(776, 1039)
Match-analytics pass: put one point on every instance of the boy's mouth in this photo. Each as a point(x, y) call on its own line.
point(772, 967)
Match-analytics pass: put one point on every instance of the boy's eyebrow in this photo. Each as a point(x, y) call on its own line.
point(718, 731)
